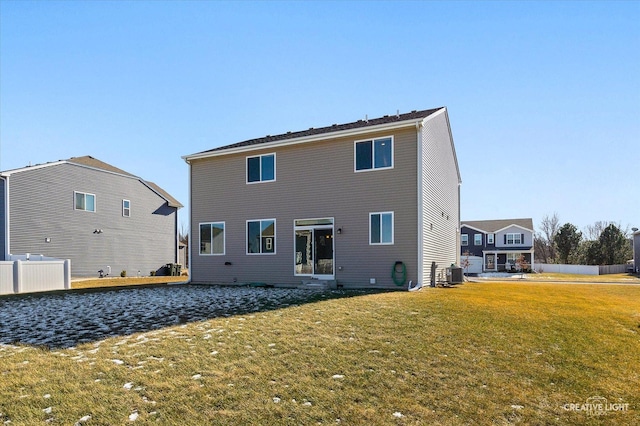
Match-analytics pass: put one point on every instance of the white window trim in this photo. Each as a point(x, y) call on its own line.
point(246, 237)
point(224, 243)
point(474, 239)
point(95, 202)
point(463, 243)
point(126, 208)
point(373, 154)
point(246, 168)
point(491, 238)
point(514, 243)
point(393, 229)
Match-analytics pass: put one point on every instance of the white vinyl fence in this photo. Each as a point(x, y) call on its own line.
point(580, 269)
point(27, 276)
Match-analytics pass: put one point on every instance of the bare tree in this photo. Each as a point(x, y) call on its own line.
point(465, 262)
point(522, 264)
point(543, 240)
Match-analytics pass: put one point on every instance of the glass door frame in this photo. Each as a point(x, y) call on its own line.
point(312, 225)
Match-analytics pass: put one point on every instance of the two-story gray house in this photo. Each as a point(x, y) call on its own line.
point(98, 216)
point(496, 245)
point(371, 203)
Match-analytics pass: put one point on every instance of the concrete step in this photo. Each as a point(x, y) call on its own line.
point(318, 284)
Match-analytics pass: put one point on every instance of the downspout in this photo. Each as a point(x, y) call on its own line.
point(420, 254)
point(189, 258)
point(6, 246)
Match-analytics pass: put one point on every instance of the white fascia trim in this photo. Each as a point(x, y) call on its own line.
point(37, 166)
point(420, 199)
point(514, 225)
point(475, 229)
point(307, 139)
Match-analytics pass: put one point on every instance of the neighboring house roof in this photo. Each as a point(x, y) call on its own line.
point(492, 226)
point(94, 163)
point(366, 124)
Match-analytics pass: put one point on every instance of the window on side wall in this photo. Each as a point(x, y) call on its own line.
point(261, 168)
point(477, 239)
point(464, 239)
point(261, 236)
point(212, 238)
point(84, 201)
point(373, 154)
point(490, 238)
point(126, 208)
point(381, 228)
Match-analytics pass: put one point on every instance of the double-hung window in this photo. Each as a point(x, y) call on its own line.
point(490, 238)
point(212, 238)
point(381, 228)
point(464, 239)
point(373, 154)
point(126, 208)
point(477, 239)
point(84, 201)
point(513, 239)
point(261, 168)
point(261, 236)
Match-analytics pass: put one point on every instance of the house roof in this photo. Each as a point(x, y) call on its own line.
point(492, 226)
point(94, 163)
point(366, 124)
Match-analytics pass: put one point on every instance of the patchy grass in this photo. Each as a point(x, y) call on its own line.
point(127, 281)
point(557, 277)
point(486, 353)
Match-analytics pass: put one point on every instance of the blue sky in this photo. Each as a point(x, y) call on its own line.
point(543, 97)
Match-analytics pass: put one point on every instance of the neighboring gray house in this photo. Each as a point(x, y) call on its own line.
point(90, 212)
point(496, 245)
point(341, 203)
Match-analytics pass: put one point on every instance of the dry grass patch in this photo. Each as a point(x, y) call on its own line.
point(127, 281)
point(487, 353)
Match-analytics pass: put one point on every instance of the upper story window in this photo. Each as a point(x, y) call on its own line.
point(464, 239)
point(490, 238)
point(261, 168)
point(261, 236)
point(374, 154)
point(511, 238)
point(126, 208)
point(212, 238)
point(84, 201)
point(477, 239)
point(381, 228)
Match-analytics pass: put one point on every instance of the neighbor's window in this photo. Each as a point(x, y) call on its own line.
point(261, 236)
point(464, 239)
point(212, 238)
point(513, 238)
point(126, 208)
point(84, 201)
point(381, 228)
point(374, 154)
point(477, 239)
point(490, 238)
point(261, 168)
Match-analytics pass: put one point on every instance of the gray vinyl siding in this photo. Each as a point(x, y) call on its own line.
point(526, 243)
point(313, 180)
point(439, 197)
point(42, 206)
point(636, 252)
point(3, 218)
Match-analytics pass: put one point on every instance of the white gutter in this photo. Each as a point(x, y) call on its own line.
point(306, 139)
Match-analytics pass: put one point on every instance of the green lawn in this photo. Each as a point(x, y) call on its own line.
point(487, 353)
